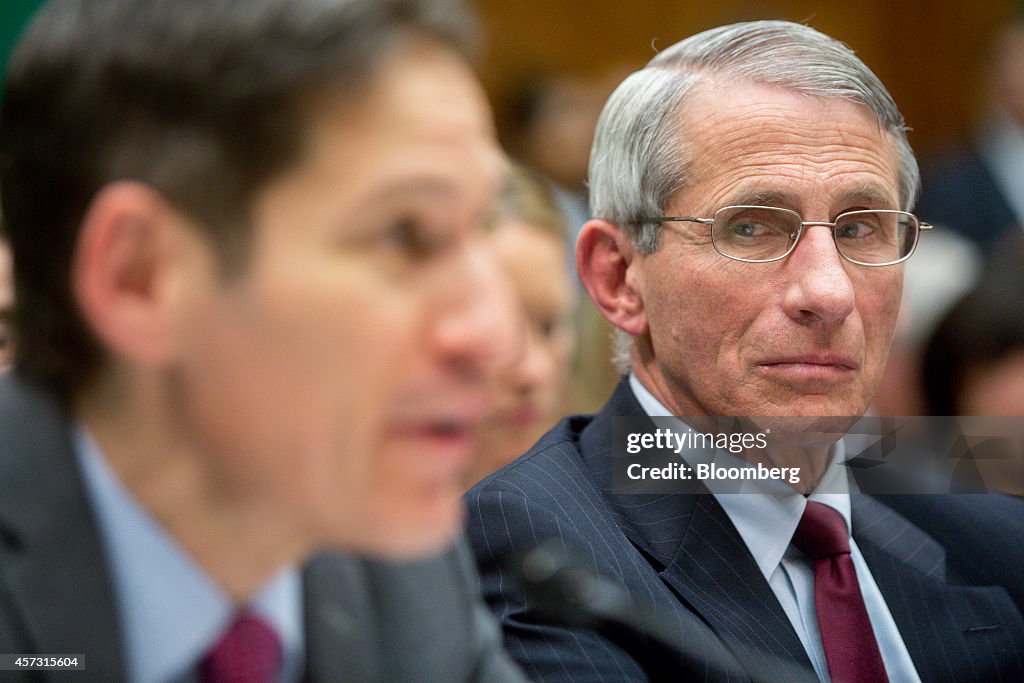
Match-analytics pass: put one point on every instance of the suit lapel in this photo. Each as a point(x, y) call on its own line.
point(973, 624)
point(53, 558)
point(340, 629)
point(714, 572)
point(689, 538)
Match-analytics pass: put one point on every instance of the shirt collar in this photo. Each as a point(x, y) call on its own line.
point(170, 610)
point(767, 513)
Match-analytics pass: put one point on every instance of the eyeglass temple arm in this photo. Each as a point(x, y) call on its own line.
point(689, 219)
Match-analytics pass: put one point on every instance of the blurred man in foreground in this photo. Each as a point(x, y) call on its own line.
point(256, 318)
point(751, 188)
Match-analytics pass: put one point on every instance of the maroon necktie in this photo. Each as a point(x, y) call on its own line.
point(850, 645)
point(248, 652)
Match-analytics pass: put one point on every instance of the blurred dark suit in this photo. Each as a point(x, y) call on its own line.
point(365, 621)
point(961, 193)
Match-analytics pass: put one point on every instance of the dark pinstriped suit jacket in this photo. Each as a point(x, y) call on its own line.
point(958, 618)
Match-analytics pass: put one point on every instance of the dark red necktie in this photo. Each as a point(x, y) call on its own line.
point(248, 652)
point(850, 645)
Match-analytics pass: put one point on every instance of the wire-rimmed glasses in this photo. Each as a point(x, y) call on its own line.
point(760, 234)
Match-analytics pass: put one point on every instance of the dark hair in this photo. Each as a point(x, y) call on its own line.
point(983, 327)
point(203, 100)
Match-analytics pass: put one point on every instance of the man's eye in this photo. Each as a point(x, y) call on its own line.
point(855, 230)
point(547, 327)
point(409, 237)
point(749, 229)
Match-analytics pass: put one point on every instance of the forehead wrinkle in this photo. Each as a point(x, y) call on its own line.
point(739, 144)
point(745, 106)
point(767, 146)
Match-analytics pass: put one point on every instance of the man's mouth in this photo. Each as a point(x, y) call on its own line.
point(823, 366)
point(444, 436)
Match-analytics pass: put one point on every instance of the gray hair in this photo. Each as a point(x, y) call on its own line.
point(640, 159)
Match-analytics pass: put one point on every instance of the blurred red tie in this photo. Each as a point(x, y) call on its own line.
point(850, 645)
point(248, 652)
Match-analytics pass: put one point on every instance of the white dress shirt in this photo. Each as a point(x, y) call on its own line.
point(170, 611)
point(766, 522)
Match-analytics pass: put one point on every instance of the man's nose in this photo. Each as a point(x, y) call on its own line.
point(480, 328)
point(820, 289)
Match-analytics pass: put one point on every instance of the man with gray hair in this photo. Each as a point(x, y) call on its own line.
point(751, 190)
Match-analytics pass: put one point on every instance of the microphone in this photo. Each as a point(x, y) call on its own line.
point(566, 591)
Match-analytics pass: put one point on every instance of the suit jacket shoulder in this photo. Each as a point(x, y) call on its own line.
point(55, 590)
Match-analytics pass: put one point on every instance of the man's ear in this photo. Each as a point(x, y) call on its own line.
point(605, 259)
point(121, 275)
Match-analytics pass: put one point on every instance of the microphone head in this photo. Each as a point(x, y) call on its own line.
point(565, 590)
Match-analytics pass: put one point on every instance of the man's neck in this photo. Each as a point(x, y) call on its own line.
point(239, 542)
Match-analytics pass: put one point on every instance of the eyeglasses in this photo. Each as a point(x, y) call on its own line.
point(759, 234)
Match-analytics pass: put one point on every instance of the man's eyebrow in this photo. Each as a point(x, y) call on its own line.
point(412, 188)
point(867, 196)
point(872, 197)
point(759, 197)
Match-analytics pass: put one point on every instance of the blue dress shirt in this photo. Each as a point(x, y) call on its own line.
point(170, 610)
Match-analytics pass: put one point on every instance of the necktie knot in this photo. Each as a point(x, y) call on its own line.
point(821, 532)
point(249, 651)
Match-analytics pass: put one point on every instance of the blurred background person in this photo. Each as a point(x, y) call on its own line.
point(6, 306)
point(547, 122)
point(943, 268)
point(977, 189)
point(527, 240)
point(973, 363)
point(973, 368)
point(549, 125)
